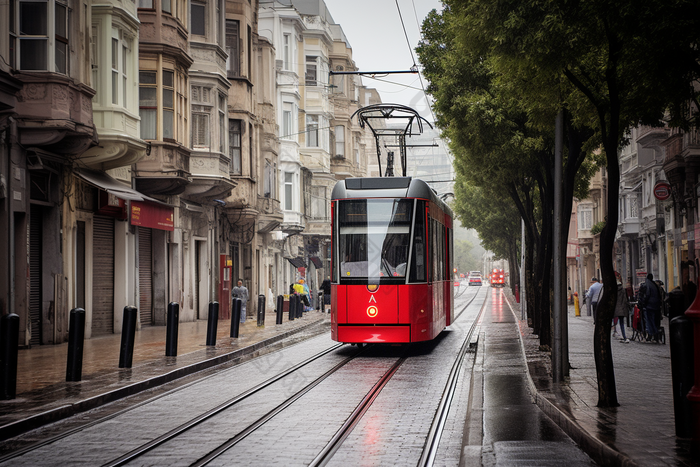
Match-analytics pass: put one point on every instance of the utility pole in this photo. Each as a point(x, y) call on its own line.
point(557, 309)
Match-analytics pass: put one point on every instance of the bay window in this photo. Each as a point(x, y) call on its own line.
point(32, 24)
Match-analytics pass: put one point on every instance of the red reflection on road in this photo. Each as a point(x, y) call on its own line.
point(497, 304)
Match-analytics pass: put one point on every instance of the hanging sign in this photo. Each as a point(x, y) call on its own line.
point(662, 191)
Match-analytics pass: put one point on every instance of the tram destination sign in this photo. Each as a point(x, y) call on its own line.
point(662, 191)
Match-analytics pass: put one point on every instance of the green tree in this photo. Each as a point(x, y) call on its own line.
point(502, 142)
point(610, 64)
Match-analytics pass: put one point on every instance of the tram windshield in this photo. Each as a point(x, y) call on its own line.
point(374, 237)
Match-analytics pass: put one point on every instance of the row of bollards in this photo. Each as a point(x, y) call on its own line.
point(9, 336)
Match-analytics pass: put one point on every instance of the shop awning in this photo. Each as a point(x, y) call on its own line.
point(145, 211)
point(317, 262)
point(297, 262)
point(112, 186)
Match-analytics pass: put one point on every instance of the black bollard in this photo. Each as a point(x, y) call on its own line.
point(682, 373)
point(280, 309)
point(126, 352)
point(261, 310)
point(9, 334)
point(212, 322)
point(300, 307)
point(292, 308)
point(76, 337)
point(172, 323)
point(235, 316)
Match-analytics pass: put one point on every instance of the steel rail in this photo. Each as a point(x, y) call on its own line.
point(327, 452)
point(213, 454)
point(435, 433)
point(143, 449)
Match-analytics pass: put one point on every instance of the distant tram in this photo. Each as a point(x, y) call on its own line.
point(498, 278)
point(391, 261)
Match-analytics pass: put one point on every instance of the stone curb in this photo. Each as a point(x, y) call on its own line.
point(600, 452)
point(59, 413)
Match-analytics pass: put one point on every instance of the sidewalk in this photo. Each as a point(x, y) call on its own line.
point(44, 396)
point(641, 431)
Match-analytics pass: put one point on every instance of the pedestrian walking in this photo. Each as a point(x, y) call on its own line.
point(650, 299)
point(241, 291)
point(593, 294)
point(622, 310)
point(326, 287)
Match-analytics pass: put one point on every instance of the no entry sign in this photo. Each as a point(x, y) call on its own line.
point(662, 191)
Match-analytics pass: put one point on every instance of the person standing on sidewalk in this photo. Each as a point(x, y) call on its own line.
point(622, 310)
point(241, 291)
point(650, 298)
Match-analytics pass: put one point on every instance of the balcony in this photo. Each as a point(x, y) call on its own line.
point(652, 137)
point(55, 113)
point(165, 171)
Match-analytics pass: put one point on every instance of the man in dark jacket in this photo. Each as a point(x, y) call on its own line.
point(650, 297)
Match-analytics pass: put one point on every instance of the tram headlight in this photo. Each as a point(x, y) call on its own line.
point(372, 311)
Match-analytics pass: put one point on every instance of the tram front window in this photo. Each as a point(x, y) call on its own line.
point(374, 237)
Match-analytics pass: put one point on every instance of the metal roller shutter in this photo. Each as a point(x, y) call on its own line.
point(35, 272)
point(145, 277)
point(103, 275)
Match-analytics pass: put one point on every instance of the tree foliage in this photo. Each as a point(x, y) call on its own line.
point(500, 70)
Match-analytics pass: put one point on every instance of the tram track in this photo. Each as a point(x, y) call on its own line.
point(326, 453)
point(339, 437)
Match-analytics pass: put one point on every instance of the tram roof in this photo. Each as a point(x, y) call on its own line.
point(386, 187)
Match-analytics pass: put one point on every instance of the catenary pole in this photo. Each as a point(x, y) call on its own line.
point(557, 367)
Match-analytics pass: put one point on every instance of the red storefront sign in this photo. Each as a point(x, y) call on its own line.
point(662, 191)
point(152, 215)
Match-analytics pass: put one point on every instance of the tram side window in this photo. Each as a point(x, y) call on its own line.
point(418, 263)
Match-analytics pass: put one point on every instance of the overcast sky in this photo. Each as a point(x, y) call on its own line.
point(373, 28)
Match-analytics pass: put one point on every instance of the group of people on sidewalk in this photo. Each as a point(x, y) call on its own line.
point(650, 299)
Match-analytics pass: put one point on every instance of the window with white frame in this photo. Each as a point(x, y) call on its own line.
point(585, 217)
point(356, 149)
point(120, 59)
point(201, 114)
point(234, 145)
point(287, 129)
point(39, 35)
point(339, 141)
point(633, 209)
point(312, 131)
point(166, 6)
point(319, 203)
point(287, 52)
point(233, 62)
point(198, 18)
point(311, 77)
point(288, 191)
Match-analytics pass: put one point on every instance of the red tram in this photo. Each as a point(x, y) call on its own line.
point(497, 278)
point(391, 261)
